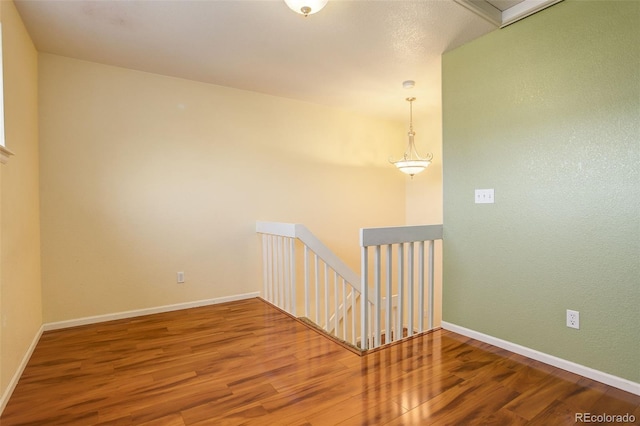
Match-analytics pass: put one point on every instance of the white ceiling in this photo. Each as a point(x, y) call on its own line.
point(352, 54)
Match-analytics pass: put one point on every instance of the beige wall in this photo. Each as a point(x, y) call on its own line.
point(424, 191)
point(2, 387)
point(144, 175)
point(20, 290)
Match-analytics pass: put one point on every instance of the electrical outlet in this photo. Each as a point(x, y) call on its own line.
point(573, 319)
point(180, 277)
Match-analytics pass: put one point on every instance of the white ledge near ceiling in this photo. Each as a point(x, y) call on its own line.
point(490, 10)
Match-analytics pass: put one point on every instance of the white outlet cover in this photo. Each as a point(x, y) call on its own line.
point(573, 319)
point(484, 196)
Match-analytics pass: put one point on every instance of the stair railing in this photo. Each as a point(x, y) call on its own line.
point(333, 294)
point(329, 295)
point(403, 314)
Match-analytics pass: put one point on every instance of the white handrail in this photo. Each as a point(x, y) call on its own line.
point(399, 234)
point(296, 230)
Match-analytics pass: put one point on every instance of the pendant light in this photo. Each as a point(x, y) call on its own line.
point(412, 163)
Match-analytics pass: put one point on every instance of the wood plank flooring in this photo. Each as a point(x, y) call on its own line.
point(246, 362)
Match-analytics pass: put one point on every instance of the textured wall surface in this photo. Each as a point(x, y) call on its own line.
point(20, 286)
point(547, 112)
point(145, 175)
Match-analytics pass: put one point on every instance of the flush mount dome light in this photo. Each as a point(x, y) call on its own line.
point(306, 7)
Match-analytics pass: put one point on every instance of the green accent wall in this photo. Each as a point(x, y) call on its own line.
point(547, 112)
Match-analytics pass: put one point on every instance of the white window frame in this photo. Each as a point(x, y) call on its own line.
point(1, 94)
point(4, 152)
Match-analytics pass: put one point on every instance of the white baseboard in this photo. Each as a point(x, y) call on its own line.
point(16, 376)
point(147, 311)
point(599, 376)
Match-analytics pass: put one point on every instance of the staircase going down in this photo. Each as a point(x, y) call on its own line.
point(391, 300)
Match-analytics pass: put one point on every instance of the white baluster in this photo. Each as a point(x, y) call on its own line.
point(410, 301)
point(280, 257)
point(315, 256)
point(335, 304)
point(265, 266)
point(292, 263)
point(378, 299)
point(371, 308)
point(364, 300)
point(270, 268)
point(389, 296)
point(431, 292)
point(421, 286)
point(354, 337)
point(326, 297)
point(400, 324)
point(285, 258)
point(306, 281)
point(344, 310)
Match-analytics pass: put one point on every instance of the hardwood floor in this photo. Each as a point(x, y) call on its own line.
point(247, 363)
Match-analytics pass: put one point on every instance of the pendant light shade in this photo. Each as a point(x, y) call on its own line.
point(306, 7)
point(411, 162)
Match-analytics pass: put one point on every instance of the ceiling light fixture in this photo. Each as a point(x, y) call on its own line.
point(409, 84)
point(412, 163)
point(306, 7)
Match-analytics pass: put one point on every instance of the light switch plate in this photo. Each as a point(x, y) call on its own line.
point(484, 196)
